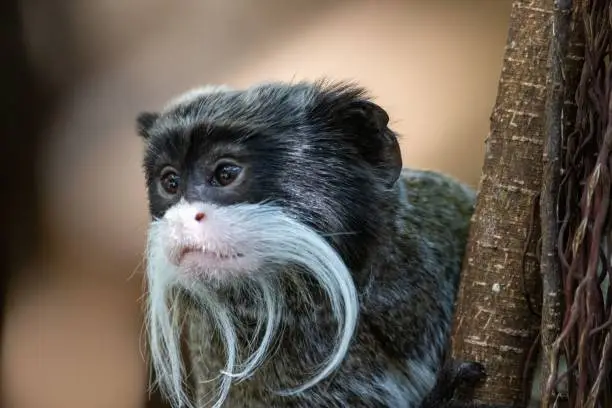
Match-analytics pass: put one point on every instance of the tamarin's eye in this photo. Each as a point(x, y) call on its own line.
point(226, 174)
point(169, 180)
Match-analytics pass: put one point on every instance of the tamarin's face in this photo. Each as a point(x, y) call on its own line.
point(317, 152)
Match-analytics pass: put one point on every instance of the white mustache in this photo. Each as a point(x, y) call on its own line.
point(270, 240)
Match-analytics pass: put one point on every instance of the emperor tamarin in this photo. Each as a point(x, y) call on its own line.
point(289, 250)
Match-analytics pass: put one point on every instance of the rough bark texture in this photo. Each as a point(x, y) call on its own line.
point(552, 291)
point(495, 320)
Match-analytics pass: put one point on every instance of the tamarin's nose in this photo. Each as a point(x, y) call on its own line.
point(200, 216)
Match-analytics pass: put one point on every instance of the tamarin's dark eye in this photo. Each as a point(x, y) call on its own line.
point(170, 180)
point(225, 174)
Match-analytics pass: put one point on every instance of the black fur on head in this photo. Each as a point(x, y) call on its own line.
point(321, 150)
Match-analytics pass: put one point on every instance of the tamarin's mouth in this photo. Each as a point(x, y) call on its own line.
point(202, 251)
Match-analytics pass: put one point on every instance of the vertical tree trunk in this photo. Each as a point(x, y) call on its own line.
point(566, 60)
point(496, 319)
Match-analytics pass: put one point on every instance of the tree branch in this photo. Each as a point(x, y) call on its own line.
point(549, 263)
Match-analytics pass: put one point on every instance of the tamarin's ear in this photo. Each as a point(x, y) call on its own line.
point(144, 123)
point(376, 142)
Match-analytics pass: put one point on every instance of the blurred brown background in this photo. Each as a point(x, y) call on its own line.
point(73, 324)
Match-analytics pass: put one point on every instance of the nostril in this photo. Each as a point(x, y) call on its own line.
point(200, 216)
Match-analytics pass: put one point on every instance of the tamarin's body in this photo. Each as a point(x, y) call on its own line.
point(311, 270)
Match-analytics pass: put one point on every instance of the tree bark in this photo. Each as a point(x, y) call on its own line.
point(566, 60)
point(496, 320)
point(552, 292)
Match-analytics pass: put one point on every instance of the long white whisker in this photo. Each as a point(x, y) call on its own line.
point(272, 320)
point(227, 328)
point(270, 242)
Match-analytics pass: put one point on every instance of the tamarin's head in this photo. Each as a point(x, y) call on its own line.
point(245, 185)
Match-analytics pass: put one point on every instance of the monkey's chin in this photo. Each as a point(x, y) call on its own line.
point(209, 266)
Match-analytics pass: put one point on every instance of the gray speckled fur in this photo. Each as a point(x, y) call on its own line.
point(406, 310)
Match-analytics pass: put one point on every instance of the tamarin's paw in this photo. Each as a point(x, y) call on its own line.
point(468, 372)
point(460, 374)
point(452, 376)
